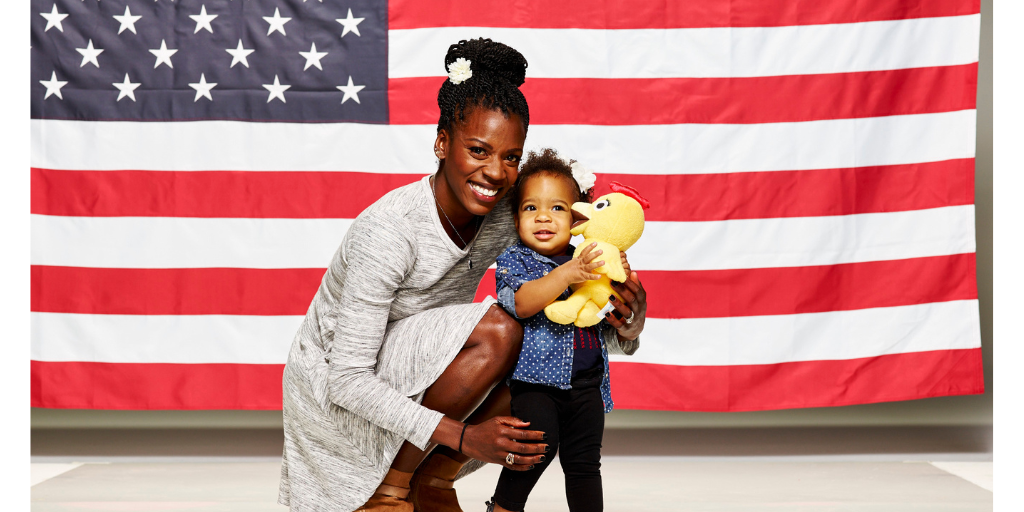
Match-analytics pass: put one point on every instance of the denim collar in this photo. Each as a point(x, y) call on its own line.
point(521, 247)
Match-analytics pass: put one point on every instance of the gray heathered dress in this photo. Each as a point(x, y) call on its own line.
point(392, 312)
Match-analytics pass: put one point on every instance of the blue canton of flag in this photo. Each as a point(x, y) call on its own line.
point(253, 60)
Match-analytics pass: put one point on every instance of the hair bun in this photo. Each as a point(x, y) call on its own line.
point(490, 57)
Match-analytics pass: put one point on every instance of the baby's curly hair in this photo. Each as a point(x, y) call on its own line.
point(547, 161)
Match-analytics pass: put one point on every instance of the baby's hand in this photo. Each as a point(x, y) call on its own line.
point(579, 269)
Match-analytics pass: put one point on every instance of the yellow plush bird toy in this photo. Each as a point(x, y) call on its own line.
point(615, 221)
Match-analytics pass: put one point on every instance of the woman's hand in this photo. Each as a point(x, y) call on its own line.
point(629, 315)
point(581, 268)
point(493, 440)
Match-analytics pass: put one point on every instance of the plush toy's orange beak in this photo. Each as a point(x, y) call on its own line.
point(579, 217)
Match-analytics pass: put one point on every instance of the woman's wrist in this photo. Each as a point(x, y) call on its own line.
point(625, 339)
point(448, 432)
point(462, 436)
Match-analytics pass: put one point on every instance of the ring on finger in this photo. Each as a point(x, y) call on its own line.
point(510, 458)
point(630, 319)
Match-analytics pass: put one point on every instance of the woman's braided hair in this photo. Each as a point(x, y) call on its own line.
point(498, 71)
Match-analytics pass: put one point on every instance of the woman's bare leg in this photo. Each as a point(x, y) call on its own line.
point(469, 383)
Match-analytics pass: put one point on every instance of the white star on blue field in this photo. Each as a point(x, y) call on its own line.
point(257, 60)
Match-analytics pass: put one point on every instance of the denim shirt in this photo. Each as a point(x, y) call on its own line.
point(547, 353)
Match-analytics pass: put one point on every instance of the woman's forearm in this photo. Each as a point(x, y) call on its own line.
point(534, 296)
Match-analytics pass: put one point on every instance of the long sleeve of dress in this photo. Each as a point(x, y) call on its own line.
point(377, 256)
point(611, 340)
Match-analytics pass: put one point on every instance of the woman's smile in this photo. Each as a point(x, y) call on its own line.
point(483, 193)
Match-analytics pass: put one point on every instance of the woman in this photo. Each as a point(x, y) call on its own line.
point(393, 357)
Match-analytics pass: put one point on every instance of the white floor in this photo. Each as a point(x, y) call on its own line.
point(977, 473)
point(636, 484)
point(42, 471)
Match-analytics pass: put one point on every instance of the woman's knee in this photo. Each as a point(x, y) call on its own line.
point(501, 335)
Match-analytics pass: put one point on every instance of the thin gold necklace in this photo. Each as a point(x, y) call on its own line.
point(476, 217)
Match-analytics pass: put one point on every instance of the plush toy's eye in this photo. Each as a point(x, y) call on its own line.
point(600, 205)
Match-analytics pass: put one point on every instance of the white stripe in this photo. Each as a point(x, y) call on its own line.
point(163, 242)
point(705, 52)
point(707, 341)
point(809, 336)
point(804, 241)
point(231, 146)
point(723, 148)
point(641, 149)
point(162, 338)
point(168, 242)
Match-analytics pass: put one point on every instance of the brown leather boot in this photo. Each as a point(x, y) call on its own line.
point(392, 495)
point(432, 485)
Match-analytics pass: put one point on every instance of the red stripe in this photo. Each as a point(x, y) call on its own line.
point(769, 99)
point(823, 192)
point(678, 197)
point(790, 290)
point(486, 286)
point(78, 385)
point(410, 14)
point(795, 385)
point(670, 294)
point(177, 291)
point(209, 194)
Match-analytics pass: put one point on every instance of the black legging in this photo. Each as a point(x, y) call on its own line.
point(574, 422)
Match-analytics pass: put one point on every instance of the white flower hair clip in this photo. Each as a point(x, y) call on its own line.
point(585, 178)
point(459, 71)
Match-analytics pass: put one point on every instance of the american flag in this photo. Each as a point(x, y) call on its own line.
point(810, 167)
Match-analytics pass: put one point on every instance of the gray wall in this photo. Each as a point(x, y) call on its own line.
point(960, 410)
